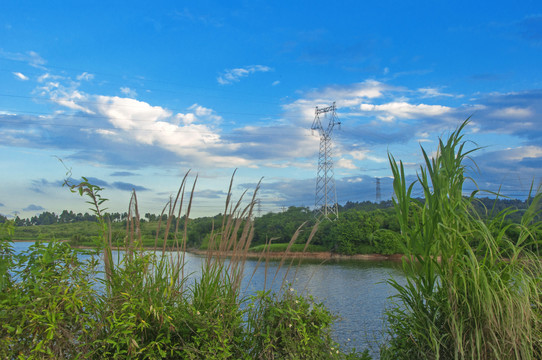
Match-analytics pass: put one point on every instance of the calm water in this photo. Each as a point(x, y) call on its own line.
point(356, 291)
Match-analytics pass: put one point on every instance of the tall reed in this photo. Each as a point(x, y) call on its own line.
point(470, 291)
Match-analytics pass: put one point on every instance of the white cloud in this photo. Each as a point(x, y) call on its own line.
point(201, 111)
point(20, 76)
point(522, 152)
point(186, 135)
point(68, 97)
point(404, 110)
point(234, 75)
point(349, 96)
point(35, 59)
point(85, 76)
point(352, 95)
point(365, 155)
point(30, 57)
point(355, 180)
point(345, 164)
point(128, 92)
point(193, 136)
point(513, 112)
point(432, 92)
point(129, 114)
point(275, 83)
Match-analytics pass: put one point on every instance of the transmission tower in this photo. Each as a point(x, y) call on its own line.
point(326, 196)
point(378, 192)
point(259, 207)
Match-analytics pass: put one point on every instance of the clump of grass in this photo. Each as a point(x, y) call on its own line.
point(470, 292)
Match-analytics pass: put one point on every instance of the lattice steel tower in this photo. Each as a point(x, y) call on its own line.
point(378, 192)
point(326, 196)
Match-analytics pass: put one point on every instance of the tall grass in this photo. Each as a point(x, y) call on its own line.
point(143, 305)
point(470, 292)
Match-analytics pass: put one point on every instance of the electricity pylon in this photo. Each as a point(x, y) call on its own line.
point(378, 192)
point(326, 196)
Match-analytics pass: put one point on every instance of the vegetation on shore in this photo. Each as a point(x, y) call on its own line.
point(362, 228)
point(59, 302)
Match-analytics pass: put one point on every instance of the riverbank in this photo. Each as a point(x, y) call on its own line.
point(320, 255)
point(324, 255)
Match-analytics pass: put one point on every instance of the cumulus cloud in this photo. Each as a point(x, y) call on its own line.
point(20, 76)
point(193, 136)
point(234, 75)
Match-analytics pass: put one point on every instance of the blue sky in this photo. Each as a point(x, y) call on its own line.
point(134, 94)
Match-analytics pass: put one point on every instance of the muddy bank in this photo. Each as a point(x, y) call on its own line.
point(324, 255)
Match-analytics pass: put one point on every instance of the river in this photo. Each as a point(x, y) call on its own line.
point(355, 291)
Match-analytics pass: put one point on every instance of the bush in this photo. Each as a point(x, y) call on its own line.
point(288, 326)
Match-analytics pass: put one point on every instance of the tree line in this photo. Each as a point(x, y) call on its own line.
point(361, 227)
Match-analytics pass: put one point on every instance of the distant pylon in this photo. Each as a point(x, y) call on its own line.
point(259, 207)
point(378, 193)
point(326, 196)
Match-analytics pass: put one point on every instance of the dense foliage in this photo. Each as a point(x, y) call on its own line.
point(361, 228)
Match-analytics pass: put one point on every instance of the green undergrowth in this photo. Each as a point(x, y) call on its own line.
point(61, 302)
